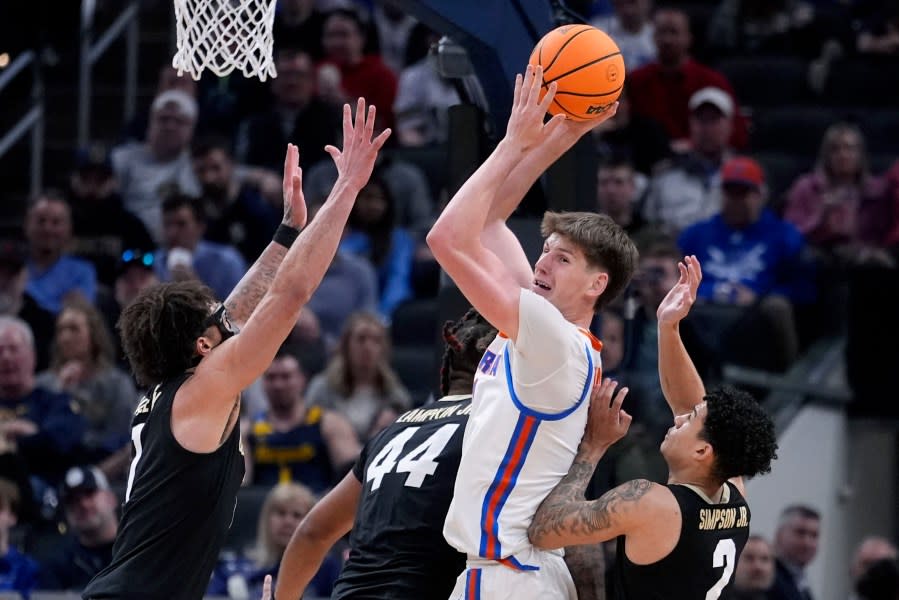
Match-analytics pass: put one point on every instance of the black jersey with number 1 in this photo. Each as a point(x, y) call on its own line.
point(701, 566)
point(407, 474)
point(178, 508)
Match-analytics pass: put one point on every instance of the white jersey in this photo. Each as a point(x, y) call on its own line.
point(529, 410)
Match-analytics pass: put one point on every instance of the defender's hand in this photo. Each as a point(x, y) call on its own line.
point(357, 159)
point(292, 187)
point(680, 298)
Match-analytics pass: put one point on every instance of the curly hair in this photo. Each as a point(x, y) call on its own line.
point(465, 341)
point(741, 433)
point(160, 327)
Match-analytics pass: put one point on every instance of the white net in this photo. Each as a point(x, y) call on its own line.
point(223, 35)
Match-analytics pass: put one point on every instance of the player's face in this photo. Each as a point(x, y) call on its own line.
point(283, 520)
point(563, 276)
point(682, 438)
point(755, 569)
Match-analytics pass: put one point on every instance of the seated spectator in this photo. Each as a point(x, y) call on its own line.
point(408, 185)
point(752, 260)
point(360, 75)
point(168, 79)
point(89, 506)
point(754, 574)
point(869, 552)
point(186, 255)
point(372, 234)
point(795, 547)
point(147, 171)
point(636, 137)
point(350, 285)
point(283, 509)
point(618, 196)
point(18, 572)
point(880, 33)
point(134, 273)
point(762, 27)
point(359, 382)
point(15, 301)
point(82, 365)
point(423, 98)
point(101, 227)
point(37, 425)
point(297, 115)
point(662, 89)
point(840, 208)
point(236, 213)
point(632, 29)
point(293, 441)
point(54, 274)
point(298, 24)
point(686, 190)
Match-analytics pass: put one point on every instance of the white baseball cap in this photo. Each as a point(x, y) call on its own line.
point(187, 106)
point(714, 96)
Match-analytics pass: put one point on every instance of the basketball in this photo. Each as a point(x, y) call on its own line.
point(587, 66)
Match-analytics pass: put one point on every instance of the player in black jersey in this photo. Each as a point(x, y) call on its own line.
point(187, 463)
point(679, 541)
point(395, 499)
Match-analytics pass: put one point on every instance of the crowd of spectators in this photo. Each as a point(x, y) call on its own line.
point(192, 190)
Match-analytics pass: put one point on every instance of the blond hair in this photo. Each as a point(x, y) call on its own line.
point(267, 553)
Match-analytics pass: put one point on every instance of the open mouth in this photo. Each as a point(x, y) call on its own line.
point(542, 285)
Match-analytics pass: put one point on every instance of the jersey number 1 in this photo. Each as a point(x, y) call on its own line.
point(419, 463)
point(725, 556)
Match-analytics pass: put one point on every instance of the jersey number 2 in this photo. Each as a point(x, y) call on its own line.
point(725, 556)
point(419, 463)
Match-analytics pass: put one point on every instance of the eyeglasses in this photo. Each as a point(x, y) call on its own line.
point(138, 256)
point(219, 319)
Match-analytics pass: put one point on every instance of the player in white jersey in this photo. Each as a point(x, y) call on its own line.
point(531, 390)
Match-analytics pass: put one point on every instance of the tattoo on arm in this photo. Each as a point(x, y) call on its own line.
point(242, 301)
point(565, 517)
point(587, 564)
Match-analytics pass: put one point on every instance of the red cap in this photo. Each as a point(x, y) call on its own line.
point(742, 170)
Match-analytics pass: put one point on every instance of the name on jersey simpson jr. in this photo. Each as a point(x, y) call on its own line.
point(723, 518)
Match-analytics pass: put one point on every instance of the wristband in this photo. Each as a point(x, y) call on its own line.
point(285, 235)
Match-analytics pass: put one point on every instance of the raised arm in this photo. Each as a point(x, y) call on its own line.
point(456, 238)
point(327, 522)
point(497, 237)
point(203, 404)
point(681, 383)
point(565, 518)
point(242, 301)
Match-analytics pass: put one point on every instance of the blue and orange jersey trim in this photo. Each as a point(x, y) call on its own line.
point(473, 584)
point(509, 469)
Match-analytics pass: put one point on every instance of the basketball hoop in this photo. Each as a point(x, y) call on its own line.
point(223, 35)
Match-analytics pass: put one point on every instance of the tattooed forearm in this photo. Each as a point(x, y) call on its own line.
point(565, 518)
point(587, 564)
point(242, 301)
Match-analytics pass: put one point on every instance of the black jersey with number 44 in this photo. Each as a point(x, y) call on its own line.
point(407, 472)
point(701, 566)
point(178, 508)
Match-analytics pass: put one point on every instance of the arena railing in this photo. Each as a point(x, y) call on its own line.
point(32, 121)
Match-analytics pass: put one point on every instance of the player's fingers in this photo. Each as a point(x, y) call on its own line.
point(379, 141)
point(554, 124)
point(548, 98)
point(526, 85)
point(618, 400)
point(516, 95)
point(536, 84)
point(359, 125)
point(347, 124)
point(334, 152)
point(625, 420)
point(684, 274)
point(698, 267)
point(267, 588)
point(370, 123)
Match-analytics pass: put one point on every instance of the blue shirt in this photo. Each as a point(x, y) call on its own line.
point(17, 572)
point(231, 565)
point(67, 274)
point(766, 257)
point(395, 270)
point(218, 266)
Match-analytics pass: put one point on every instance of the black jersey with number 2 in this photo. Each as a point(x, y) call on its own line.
point(701, 566)
point(178, 508)
point(407, 472)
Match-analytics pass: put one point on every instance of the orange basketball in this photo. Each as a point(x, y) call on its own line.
point(587, 66)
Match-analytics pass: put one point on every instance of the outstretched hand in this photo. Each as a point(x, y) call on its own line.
point(292, 187)
point(357, 158)
point(607, 422)
point(680, 298)
point(526, 128)
point(267, 588)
